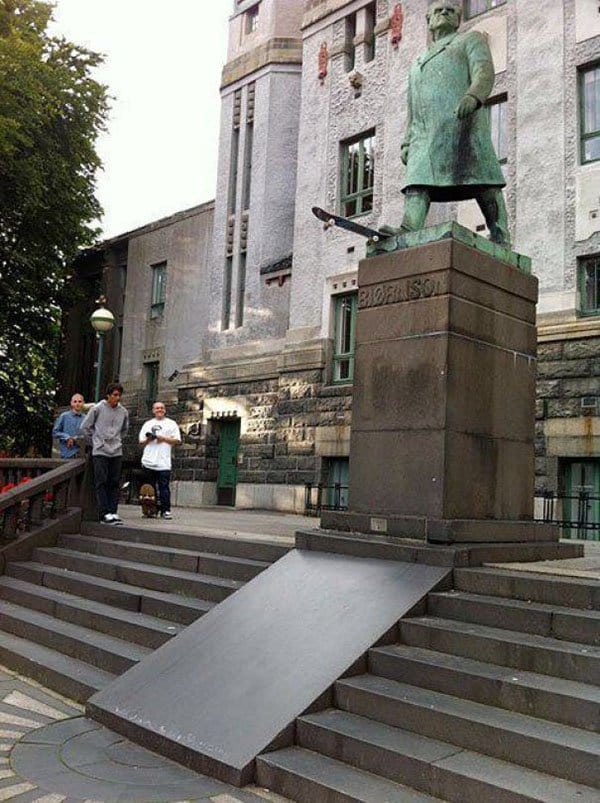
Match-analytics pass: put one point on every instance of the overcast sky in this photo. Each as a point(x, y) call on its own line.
point(163, 65)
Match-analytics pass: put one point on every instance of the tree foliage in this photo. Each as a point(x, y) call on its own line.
point(51, 112)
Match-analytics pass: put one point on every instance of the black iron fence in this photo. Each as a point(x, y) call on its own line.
point(318, 497)
point(578, 515)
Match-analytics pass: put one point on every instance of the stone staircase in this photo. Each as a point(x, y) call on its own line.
point(491, 695)
point(82, 612)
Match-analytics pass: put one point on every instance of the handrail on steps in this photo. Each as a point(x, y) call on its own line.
point(44, 496)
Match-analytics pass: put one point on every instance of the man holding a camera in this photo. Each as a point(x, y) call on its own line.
point(158, 436)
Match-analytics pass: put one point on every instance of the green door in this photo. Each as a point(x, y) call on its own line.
point(582, 505)
point(229, 438)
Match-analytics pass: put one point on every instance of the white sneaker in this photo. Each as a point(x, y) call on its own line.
point(108, 518)
point(167, 515)
point(116, 519)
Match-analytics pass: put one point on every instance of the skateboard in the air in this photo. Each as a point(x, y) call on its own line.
point(329, 219)
point(148, 500)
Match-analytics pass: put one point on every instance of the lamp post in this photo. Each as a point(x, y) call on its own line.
point(102, 321)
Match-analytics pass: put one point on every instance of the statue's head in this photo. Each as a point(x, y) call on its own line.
point(443, 16)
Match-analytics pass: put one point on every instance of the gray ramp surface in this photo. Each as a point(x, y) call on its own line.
point(218, 694)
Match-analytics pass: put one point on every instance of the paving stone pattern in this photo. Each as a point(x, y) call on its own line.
point(50, 753)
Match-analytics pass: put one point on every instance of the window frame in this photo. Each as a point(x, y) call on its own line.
point(362, 192)
point(151, 382)
point(339, 357)
point(251, 19)
point(585, 136)
point(467, 8)
point(499, 100)
point(583, 263)
point(158, 292)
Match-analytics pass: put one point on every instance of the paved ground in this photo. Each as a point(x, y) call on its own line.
point(222, 521)
point(50, 753)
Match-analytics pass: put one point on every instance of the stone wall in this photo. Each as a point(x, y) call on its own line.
point(568, 370)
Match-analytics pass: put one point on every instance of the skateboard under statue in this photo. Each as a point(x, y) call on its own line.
point(148, 501)
point(377, 239)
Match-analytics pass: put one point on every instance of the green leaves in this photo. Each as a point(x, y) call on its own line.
point(51, 112)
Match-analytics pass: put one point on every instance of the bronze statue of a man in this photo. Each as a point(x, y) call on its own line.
point(448, 149)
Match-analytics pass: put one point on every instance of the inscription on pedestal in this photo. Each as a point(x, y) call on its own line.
point(398, 291)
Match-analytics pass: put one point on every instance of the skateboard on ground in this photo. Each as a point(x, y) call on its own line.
point(148, 500)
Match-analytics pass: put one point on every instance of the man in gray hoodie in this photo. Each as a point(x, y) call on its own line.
point(104, 427)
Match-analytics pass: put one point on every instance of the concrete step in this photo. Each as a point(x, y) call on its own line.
point(569, 753)
point(102, 651)
point(569, 624)
point(430, 765)
point(149, 631)
point(181, 559)
point(569, 592)
point(564, 701)
point(234, 546)
point(527, 651)
point(68, 676)
point(173, 607)
point(308, 777)
point(202, 586)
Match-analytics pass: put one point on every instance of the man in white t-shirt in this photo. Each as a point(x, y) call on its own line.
point(158, 436)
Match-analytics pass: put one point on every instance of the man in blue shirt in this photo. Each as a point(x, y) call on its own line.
point(67, 426)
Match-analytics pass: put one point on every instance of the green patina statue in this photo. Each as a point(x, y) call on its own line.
point(448, 149)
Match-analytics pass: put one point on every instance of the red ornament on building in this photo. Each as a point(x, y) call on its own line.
point(323, 61)
point(396, 23)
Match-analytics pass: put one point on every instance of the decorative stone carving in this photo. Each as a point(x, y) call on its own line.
point(396, 24)
point(323, 62)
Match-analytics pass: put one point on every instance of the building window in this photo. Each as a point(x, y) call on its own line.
point(249, 145)
point(252, 19)
point(349, 47)
point(497, 109)
point(358, 171)
point(370, 21)
point(475, 7)
point(226, 321)
point(159, 289)
point(337, 478)
point(589, 93)
point(151, 382)
point(589, 285)
point(343, 337)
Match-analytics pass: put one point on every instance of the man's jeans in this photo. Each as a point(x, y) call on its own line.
point(160, 482)
point(107, 478)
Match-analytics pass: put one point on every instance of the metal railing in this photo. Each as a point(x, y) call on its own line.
point(318, 497)
point(33, 490)
point(578, 515)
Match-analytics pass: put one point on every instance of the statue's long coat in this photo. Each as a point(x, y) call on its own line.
point(453, 158)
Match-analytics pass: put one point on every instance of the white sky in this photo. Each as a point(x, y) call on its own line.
point(163, 65)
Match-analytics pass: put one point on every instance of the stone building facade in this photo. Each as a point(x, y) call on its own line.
point(313, 113)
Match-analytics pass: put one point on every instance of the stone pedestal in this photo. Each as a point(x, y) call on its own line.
point(442, 444)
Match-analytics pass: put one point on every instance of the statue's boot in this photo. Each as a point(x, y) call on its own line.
point(491, 202)
point(416, 207)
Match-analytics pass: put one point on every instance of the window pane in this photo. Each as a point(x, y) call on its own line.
point(498, 120)
point(159, 284)
point(590, 301)
point(591, 101)
point(349, 209)
point(474, 7)
point(343, 343)
point(592, 149)
point(358, 176)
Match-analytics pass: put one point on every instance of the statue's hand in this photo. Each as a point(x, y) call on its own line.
point(466, 107)
point(404, 154)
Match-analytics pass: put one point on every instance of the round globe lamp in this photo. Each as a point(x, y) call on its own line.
point(102, 321)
